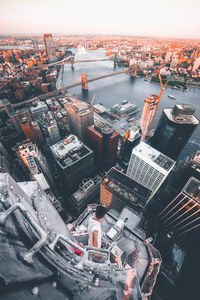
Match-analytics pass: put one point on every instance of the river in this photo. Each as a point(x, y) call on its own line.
point(113, 90)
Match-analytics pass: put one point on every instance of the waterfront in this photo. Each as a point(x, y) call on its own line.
point(110, 91)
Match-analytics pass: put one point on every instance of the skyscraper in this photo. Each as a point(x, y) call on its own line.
point(34, 162)
point(103, 140)
point(119, 190)
point(80, 117)
point(74, 161)
point(182, 214)
point(174, 129)
point(50, 47)
point(149, 167)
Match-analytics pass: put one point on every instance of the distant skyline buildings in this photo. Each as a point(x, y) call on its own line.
point(142, 18)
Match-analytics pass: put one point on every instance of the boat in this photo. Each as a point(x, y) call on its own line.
point(170, 96)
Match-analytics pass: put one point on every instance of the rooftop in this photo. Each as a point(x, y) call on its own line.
point(54, 256)
point(39, 106)
point(103, 127)
point(124, 185)
point(182, 114)
point(192, 188)
point(154, 155)
point(69, 150)
point(80, 107)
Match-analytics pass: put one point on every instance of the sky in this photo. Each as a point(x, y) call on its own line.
point(159, 18)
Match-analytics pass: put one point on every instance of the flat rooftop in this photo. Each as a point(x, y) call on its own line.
point(39, 106)
point(127, 184)
point(182, 114)
point(154, 155)
point(103, 127)
point(192, 188)
point(69, 150)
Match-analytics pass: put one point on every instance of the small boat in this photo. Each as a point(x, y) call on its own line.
point(170, 96)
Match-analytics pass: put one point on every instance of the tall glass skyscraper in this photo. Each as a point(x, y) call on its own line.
point(174, 129)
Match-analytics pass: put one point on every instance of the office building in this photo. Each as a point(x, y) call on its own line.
point(74, 161)
point(17, 116)
point(174, 129)
point(88, 192)
point(103, 140)
point(38, 109)
point(32, 131)
point(124, 108)
point(119, 190)
point(149, 167)
point(49, 127)
point(80, 117)
point(182, 215)
point(52, 128)
point(38, 133)
point(50, 48)
point(34, 162)
point(130, 140)
point(186, 168)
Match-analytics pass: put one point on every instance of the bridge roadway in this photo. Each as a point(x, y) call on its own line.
point(67, 61)
point(65, 88)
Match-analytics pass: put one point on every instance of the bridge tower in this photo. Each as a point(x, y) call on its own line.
point(133, 70)
point(115, 61)
point(84, 82)
point(72, 62)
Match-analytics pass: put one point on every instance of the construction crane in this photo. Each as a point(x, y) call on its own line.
point(150, 109)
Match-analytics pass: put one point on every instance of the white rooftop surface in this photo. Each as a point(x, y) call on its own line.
point(143, 150)
point(63, 147)
point(182, 118)
point(146, 150)
point(42, 181)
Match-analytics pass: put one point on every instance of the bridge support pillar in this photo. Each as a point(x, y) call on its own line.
point(84, 82)
point(72, 63)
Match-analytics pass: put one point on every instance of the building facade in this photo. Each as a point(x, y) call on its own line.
point(74, 161)
point(50, 47)
point(88, 192)
point(149, 167)
point(174, 129)
point(80, 117)
point(103, 140)
point(118, 190)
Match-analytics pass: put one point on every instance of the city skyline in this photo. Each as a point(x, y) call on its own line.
point(176, 19)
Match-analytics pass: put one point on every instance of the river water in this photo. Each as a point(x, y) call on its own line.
point(113, 90)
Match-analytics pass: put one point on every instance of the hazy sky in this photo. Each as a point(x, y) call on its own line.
point(171, 18)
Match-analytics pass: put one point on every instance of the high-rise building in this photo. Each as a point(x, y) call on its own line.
point(28, 131)
point(49, 127)
point(182, 214)
point(88, 192)
point(16, 116)
point(36, 129)
point(74, 161)
point(50, 47)
point(119, 190)
point(186, 168)
point(174, 129)
point(149, 167)
point(80, 117)
point(103, 140)
point(32, 131)
point(38, 109)
point(148, 113)
point(34, 163)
